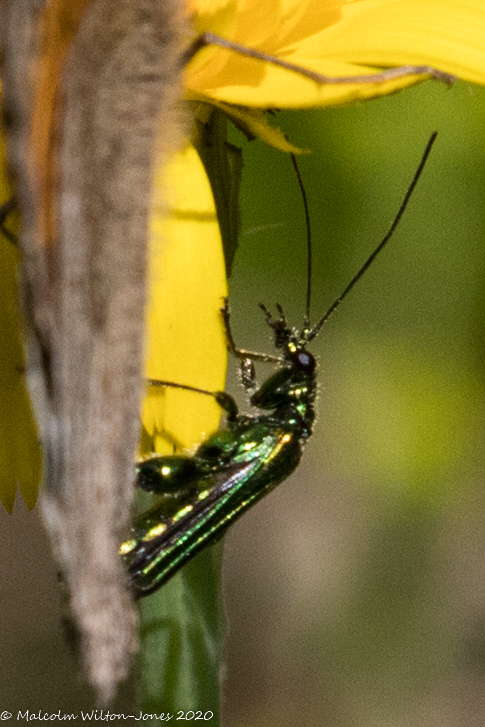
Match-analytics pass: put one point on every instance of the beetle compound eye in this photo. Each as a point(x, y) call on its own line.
point(305, 361)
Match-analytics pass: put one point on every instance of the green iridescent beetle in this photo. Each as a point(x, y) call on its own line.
point(203, 494)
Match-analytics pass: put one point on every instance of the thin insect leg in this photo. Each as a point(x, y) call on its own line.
point(209, 38)
point(171, 384)
point(241, 352)
point(146, 443)
point(175, 443)
point(282, 315)
point(5, 209)
point(247, 374)
point(225, 401)
point(275, 323)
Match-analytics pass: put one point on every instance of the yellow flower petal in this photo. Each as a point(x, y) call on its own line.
point(254, 123)
point(339, 39)
point(449, 35)
point(185, 337)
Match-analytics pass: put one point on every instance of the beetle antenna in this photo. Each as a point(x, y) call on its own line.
point(382, 244)
point(306, 323)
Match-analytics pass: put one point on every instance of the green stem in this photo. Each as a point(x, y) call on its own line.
point(180, 642)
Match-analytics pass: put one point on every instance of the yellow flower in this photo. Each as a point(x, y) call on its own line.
point(335, 38)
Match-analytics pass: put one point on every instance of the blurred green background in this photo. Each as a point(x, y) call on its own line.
point(355, 593)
